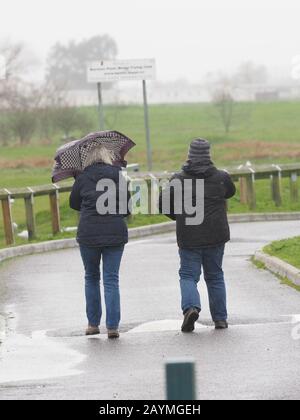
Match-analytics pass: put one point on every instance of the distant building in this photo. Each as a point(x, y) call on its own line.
point(181, 92)
point(267, 96)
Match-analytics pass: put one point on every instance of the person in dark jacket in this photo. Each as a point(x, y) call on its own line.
point(201, 246)
point(100, 236)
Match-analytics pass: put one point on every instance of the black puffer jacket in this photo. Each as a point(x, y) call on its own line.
point(214, 230)
point(94, 229)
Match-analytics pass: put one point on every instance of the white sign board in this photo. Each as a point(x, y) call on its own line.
point(116, 70)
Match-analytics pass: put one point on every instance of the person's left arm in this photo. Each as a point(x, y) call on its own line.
point(75, 197)
point(230, 188)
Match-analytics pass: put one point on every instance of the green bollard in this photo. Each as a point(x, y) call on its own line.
point(180, 378)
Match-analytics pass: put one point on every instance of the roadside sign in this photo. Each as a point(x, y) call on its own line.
point(105, 71)
point(119, 70)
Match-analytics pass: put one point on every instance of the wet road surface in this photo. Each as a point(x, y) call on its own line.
point(44, 354)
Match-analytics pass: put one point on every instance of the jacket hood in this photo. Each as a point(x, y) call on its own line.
point(198, 169)
point(99, 171)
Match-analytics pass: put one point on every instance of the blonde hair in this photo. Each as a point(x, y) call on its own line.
point(99, 154)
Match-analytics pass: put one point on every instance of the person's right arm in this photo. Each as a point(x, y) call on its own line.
point(171, 214)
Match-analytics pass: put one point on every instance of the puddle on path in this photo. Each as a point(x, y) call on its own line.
point(161, 326)
point(24, 358)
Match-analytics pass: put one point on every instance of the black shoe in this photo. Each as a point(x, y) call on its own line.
point(190, 317)
point(221, 325)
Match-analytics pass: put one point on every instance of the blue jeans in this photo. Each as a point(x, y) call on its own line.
point(192, 260)
point(91, 258)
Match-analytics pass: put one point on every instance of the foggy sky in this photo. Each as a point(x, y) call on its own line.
point(188, 38)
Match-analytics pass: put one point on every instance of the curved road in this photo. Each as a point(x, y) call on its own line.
point(45, 356)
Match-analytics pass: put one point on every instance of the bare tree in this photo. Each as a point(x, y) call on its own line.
point(224, 102)
point(70, 119)
point(5, 131)
point(51, 100)
point(19, 99)
point(19, 61)
point(221, 88)
point(23, 102)
point(22, 124)
point(250, 74)
point(225, 88)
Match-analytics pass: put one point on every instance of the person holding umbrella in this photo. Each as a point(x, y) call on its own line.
point(101, 236)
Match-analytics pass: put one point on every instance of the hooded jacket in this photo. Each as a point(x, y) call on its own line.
point(214, 230)
point(98, 230)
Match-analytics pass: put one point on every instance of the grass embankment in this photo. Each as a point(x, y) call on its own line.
point(287, 250)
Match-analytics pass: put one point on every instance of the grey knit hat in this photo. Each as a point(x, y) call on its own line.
point(199, 151)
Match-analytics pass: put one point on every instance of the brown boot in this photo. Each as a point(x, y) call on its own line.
point(92, 330)
point(113, 334)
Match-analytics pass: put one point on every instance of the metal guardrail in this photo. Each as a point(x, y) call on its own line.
point(245, 175)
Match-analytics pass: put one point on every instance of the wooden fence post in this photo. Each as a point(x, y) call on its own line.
point(149, 195)
point(294, 187)
point(30, 217)
point(54, 208)
point(7, 220)
point(276, 189)
point(153, 194)
point(251, 196)
point(243, 190)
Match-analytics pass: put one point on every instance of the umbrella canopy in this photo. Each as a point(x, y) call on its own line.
point(70, 158)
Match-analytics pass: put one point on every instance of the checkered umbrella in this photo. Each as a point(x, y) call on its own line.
point(70, 158)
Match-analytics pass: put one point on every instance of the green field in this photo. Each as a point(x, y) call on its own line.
point(260, 132)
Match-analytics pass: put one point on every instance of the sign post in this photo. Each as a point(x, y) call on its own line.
point(100, 107)
point(121, 70)
point(146, 117)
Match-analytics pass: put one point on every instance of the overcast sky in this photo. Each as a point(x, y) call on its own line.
point(188, 38)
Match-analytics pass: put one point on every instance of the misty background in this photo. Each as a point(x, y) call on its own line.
point(194, 42)
point(214, 52)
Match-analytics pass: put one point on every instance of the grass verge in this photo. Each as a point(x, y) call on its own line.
point(287, 250)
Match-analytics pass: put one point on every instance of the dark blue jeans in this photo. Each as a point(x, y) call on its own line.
point(192, 261)
point(111, 260)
